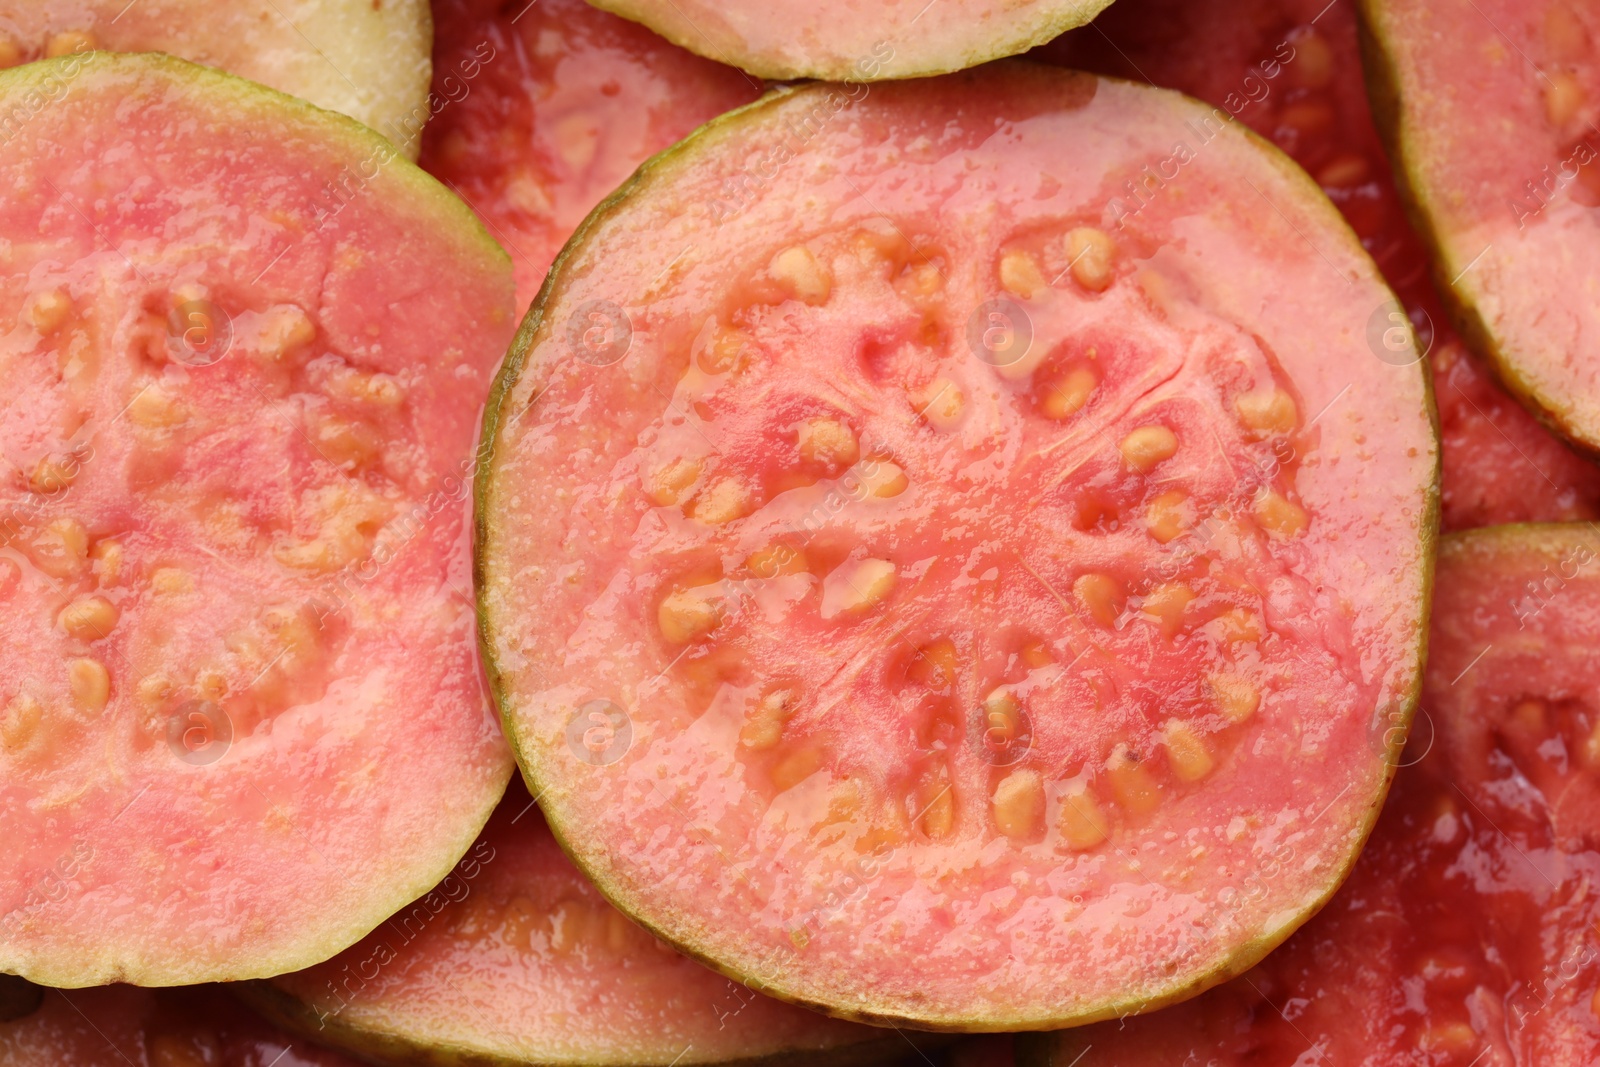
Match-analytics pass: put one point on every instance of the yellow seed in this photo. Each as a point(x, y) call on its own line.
point(1147, 446)
point(1167, 603)
point(69, 42)
point(88, 618)
point(1019, 804)
point(50, 310)
point(937, 802)
point(1594, 1004)
point(1019, 274)
point(669, 483)
point(1238, 626)
point(776, 560)
point(1168, 515)
point(763, 727)
point(171, 581)
point(1267, 412)
point(727, 351)
point(722, 502)
point(1454, 1040)
point(1307, 118)
point(1563, 98)
point(152, 407)
point(154, 689)
point(1590, 749)
point(61, 550)
point(10, 52)
point(1236, 697)
point(345, 443)
point(1083, 825)
point(108, 554)
point(90, 683)
point(1135, 789)
point(882, 479)
point(1344, 172)
point(934, 665)
point(829, 442)
point(1067, 395)
point(798, 274)
point(20, 721)
point(942, 404)
point(1101, 595)
point(1186, 751)
point(1002, 718)
point(1036, 654)
point(286, 329)
point(1092, 255)
point(212, 684)
point(1312, 66)
point(1279, 515)
point(687, 614)
point(795, 767)
point(854, 589)
point(53, 475)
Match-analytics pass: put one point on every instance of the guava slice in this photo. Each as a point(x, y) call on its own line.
point(1490, 112)
point(241, 713)
point(123, 1026)
point(517, 959)
point(368, 59)
point(549, 108)
point(955, 575)
point(856, 40)
point(1291, 70)
point(1467, 932)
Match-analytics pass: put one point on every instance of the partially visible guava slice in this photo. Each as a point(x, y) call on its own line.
point(1468, 932)
point(517, 959)
point(910, 541)
point(368, 59)
point(242, 718)
point(121, 1026)
point(544, 110)
point(856, 40)
point(1490, 110)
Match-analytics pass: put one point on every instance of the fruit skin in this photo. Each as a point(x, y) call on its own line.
point(298, 1017)
point(249, 101)
point(873, 60)
point(1388, 109)
point(496, 415)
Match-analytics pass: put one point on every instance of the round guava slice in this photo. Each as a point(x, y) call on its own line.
point(1490, 110)
point(516, 959)
point(1469, 932)
point(368, 59)
point(242, 718)
point(905, 543)
point(123, 1026)
point(857, 40)
point(1291, 70)
point(550, 108)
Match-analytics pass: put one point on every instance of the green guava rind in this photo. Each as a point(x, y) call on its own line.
point(1061, 16)
point(495, 414)
point(1384, 92)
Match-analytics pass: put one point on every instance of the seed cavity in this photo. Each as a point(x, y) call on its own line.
point(794, 767)
point(1018, 802)
point(687, 614)
point(50, 310)
point(881, 479)
point(763, 726)
point(1168, 516)
point(171, 581)
point(1102, 596)
point(936, 803)
point(670, 483)
point(19, 722)
point(1563, 99)
point(942, 404)
point(800, 276)
point(855, 588)
point(1092, 254)
point(776, 560)
point(1167, 603)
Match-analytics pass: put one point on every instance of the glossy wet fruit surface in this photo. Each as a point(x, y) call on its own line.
point(241, 713)
point(982, 582)
point(1291, 71)
point(517, 958)
point(545, 109)
point(364, 59)
point(1491, 111)
point(857, 40)
point(1469, 932)
point(120, 1026)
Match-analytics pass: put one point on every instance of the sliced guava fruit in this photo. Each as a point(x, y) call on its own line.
point(517, 959)
point(547, 109)
point(241, 713)
point(1490, 111)
point(123, 1026)
point(856, 40)
point(900, 545)
point(1291, 70)
point(1469, 932)
point(368, 59)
